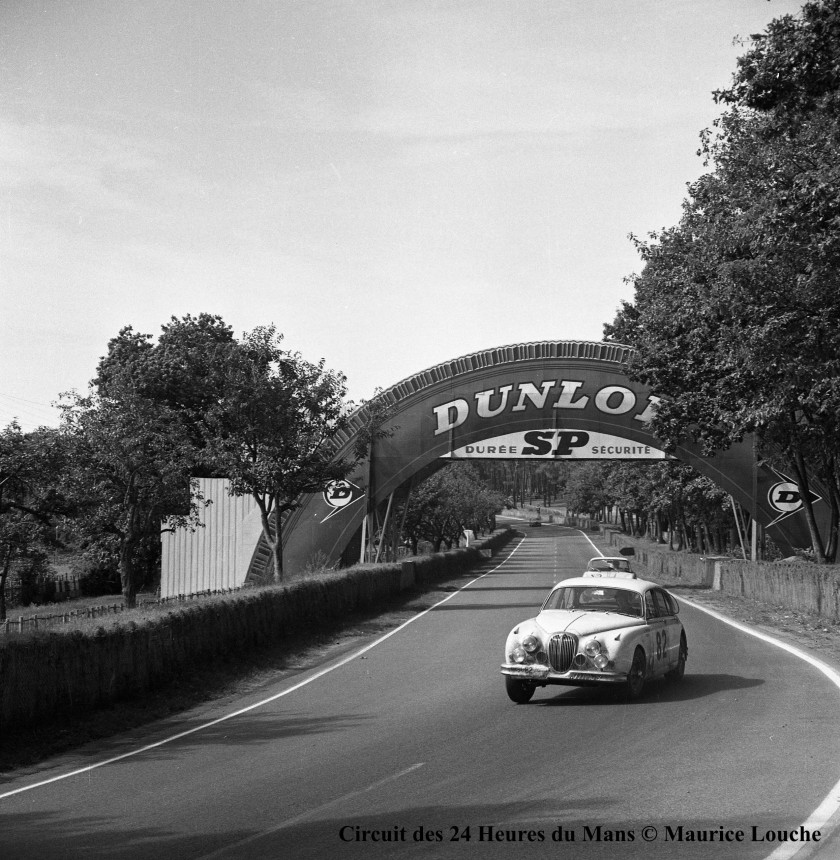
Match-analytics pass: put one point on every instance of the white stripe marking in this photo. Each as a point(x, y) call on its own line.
point(831, 802)
point(319, 674)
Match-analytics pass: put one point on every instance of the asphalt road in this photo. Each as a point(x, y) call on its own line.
point(413, 749)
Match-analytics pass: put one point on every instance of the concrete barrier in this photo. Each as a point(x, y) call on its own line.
point(805, 587)
point(664, 565)
point(802, 586)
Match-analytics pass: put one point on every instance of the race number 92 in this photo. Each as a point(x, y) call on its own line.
point(661, 644)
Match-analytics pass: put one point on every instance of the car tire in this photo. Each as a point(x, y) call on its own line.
point(677, 673)
point(637, 675)
point(519, 691)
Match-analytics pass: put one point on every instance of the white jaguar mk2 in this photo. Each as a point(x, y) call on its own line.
point(606, 627)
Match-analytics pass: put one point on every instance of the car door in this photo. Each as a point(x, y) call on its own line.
point(667, 609)
point(656, 635)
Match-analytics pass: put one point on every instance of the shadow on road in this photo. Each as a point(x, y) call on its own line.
point(261, 726)
point(542, 827)
point(691, 687)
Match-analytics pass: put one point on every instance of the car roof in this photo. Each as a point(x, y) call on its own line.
point(638, 585)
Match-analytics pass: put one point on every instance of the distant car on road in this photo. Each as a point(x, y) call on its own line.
point(602, 628)
point(608, 564)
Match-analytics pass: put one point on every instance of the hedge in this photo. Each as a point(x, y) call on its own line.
point(53, 673)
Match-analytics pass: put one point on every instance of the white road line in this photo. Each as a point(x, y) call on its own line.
point(319, 674)
point(831, 803)
point(592, 544)
point(310, 813)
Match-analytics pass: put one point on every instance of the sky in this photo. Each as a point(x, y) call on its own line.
point(392, 183)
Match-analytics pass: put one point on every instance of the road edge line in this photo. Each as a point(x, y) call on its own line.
point(830, 805)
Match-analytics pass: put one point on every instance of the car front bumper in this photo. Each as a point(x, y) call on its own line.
point(541, 674)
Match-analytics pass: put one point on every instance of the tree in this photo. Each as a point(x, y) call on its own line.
point(734, 317)
point(453, 499)
point(139, 437)
point(129, 470)
point(30, 466)
point(184, 370)
point(586, 488)
point(273, 429)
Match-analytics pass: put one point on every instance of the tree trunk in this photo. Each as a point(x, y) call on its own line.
point(711, 539)
point(273, 537)
point(798, 464)
point(7, 563)
point(277, 548)
point(128, 580)
point(128, 560)
point(831, 548)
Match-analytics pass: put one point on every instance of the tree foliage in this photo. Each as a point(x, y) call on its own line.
point(272, 429)
point(30, 500)
point(129, 469)
point(184, 370)
point(655, 499)
point(735, 312)
point(138, 438)
point(453, 499)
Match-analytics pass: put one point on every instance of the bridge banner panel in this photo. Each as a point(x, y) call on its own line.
point(557, 444)
point(533, 401)
point(548, 400)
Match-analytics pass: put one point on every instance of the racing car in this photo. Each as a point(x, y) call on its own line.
point(603, 628)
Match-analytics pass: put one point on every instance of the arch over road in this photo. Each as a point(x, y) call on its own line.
point(545, 400)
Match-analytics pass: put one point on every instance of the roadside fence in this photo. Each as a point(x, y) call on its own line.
point(38, 621)
point(51, 589)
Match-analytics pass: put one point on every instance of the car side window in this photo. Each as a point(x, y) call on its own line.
point(662, 607)
point(650, 606)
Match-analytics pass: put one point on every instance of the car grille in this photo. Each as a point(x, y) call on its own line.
point(561, 650)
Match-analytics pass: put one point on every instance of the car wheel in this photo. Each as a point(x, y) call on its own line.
point(519, 691)
point(637, 675)
point(678, 671)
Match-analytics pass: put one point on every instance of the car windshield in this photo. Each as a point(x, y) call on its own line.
point(596, 598)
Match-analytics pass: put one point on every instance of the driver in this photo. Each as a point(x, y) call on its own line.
point(629, 602)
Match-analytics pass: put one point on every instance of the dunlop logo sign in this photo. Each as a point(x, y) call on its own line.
point(556, 401)
point(563, 395)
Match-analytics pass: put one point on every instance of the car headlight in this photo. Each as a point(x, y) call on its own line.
point(592, 649)
point(531, 644)
point(600, 661)
point(518, 655)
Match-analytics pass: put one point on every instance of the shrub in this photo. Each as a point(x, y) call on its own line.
point(98, 578)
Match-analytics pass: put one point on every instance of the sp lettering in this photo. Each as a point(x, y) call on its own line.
point(561, 443)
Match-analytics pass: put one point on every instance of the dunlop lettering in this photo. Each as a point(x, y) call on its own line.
point(609, 400)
